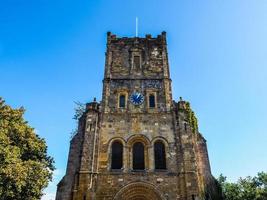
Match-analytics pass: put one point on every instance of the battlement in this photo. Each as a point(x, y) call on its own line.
point(137, 57)
point(112, 38)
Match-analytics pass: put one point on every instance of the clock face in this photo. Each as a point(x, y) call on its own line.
point(136, 98)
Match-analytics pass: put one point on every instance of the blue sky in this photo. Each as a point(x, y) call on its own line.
point(52, 54)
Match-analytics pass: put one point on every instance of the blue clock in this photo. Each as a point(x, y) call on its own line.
point(136, 98)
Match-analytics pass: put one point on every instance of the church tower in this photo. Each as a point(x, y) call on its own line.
point(137, 143)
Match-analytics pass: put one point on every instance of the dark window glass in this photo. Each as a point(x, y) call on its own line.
point(138, 156)
point(116, 156)
point(137, 62)
point(152, 103)
point(160, 157)
point(122, 101)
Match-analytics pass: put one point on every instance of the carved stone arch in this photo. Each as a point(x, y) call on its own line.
point(163, 139)
point(139, 191)
point(116, 139)
point(138, 138)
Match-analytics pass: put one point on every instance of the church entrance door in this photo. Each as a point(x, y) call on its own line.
point(138, 191)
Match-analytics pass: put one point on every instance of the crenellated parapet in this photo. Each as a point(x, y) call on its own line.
point(136, 57)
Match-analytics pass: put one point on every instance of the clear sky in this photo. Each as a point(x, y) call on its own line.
point(52, 54)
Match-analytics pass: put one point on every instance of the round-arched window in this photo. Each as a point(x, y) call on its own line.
point(138, 156)
point(159, 153)
point(116, 155)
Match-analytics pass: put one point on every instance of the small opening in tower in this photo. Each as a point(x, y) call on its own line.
point(193, 197)
point(152, 103)
point(122, 101)
point(136, 62)
point(185, 126)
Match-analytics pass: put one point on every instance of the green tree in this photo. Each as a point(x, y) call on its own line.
point(25, 167)
point(261, 180)
point(249, 188)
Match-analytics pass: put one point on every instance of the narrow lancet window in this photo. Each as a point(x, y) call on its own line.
point(136, 62)
point(160, 157)
point(116, 155)
point(138, 156)
point(152, 103)
point(122, 101)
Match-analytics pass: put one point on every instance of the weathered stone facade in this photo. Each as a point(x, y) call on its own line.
point(136, 65)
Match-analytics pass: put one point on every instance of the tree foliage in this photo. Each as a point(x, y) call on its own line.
point(79, 110)
point(249, 188)
point(25, 167)
point(213, 190)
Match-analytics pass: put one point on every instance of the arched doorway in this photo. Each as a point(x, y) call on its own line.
point(138, 191)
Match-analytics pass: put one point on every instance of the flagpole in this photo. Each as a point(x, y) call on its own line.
point(136, 27)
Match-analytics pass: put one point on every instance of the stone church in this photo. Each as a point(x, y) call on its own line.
point(137, 143)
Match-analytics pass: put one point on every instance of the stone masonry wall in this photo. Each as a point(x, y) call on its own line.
point(136, 65)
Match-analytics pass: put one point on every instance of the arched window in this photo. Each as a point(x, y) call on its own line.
point(138, 156)
point(122, 101)
point(116, 155)
point(160, 157)
point(152, 102)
